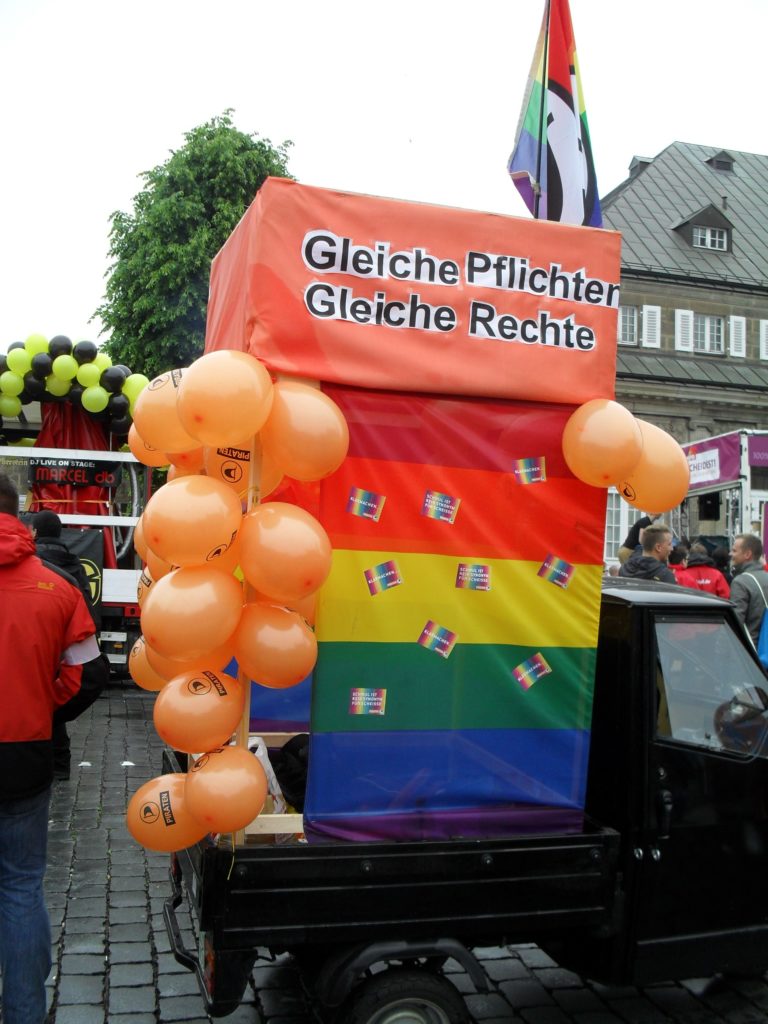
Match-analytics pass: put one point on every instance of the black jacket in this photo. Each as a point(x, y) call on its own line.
point(56, 553)
point(646, 567)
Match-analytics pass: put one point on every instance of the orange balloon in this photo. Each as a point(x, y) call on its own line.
point(198, 711)
point(146, 455)
point(602, 442)
point(174, 472)
point(274, 646)
point(661, 477)
point(158, 816)
point(192, 520)
point(211, 661)
point(155, 416)
point(139, 541)
point(284, 552)
point(145, 582)
point(190, 611)
point(188, 462)
point(305, 606)
point(224, 398)
point(139, 669)
point(232, 467)
point(158, 567)
point(306, 433)
point(226, 789)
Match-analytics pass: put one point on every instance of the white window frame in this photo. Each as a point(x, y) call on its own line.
point(684, 330)
point(650, 334)
point(627, 325)
point(710, 238)
point(737, 336)
point(764, 339)
point(706, 328)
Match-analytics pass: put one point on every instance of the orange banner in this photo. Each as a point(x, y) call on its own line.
point(393, 295)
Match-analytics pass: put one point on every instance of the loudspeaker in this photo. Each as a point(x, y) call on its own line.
point(709, 506)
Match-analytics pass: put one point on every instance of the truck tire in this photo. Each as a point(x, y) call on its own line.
point(404, 996)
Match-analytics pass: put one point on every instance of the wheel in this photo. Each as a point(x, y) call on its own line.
point(404, 996)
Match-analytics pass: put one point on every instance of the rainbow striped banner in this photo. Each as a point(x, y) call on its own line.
point(551, 164)
point(460, 750)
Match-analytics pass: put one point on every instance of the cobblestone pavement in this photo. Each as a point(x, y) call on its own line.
point(112, 957)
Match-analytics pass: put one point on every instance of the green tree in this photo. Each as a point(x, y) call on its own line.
point(157, 286)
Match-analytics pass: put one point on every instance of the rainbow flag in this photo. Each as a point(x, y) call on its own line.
point(459, 747)
point(551, 164)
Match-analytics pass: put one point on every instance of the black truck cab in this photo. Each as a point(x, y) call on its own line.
point(679, 768)
point(667, 879)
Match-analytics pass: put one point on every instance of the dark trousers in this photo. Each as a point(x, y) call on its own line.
point(61, 752)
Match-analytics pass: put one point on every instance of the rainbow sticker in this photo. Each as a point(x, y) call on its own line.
point(367, 702)
point(470, 576)
point(437, 638)
point(529, 471)
point(440, 506)
point(529, 671)
point(366, 504)
point(382, 577)
point(557, 571)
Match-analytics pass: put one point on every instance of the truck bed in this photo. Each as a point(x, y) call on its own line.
point(481, 891)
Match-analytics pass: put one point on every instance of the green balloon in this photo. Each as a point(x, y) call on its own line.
point(11, 383)
point(134, 385)
point(9, 405)
point(88, 375)
point(19, 360)
point(94, 399)
point(103, 361)
point(65, 367)
point(35, 344)
point(57, 386)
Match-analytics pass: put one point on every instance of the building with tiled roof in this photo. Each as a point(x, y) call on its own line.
point(693, 321)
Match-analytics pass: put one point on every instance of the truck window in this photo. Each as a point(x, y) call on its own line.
point(711, 693)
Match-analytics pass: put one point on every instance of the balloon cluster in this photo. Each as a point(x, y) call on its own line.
point(604, 445)
point(39, 370)
point(199, 543)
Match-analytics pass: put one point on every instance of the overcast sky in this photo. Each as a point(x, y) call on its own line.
point(415, 99)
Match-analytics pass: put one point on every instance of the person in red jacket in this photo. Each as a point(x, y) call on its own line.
point(703, 571)
point(50, 664)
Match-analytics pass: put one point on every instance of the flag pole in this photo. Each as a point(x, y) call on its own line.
point(542, 109)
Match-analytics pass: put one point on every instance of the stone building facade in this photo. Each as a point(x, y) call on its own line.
point(693, 322)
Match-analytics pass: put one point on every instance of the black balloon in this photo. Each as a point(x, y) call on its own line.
point(126, 369)
point(120, 424)
point(3, 363)
point(118, 405)
point(85, 352)
point(42, 365)
point(16, 344)
point(34, 386)
point(59, 346)
point(24, 397)
point(75, 393)
point(112, 379)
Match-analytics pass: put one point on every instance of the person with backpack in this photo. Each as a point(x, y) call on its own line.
point(749, 587)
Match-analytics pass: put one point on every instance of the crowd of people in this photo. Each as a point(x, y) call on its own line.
point(649, 552)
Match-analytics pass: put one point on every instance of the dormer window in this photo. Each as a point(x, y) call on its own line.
point(722, 161)
point(709, 238)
